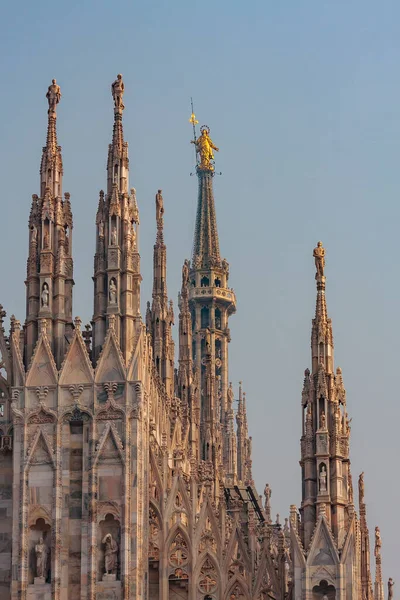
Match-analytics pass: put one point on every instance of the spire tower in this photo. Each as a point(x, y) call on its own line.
point(326, 432)
point(211, 301)
point(117, 262)
point(160, 316)
point(49, 279)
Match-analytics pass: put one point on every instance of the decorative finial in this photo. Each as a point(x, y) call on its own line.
point(117, 90)
point(159, 209)
point(78, 323)
point(53, 97)
point(319, 255)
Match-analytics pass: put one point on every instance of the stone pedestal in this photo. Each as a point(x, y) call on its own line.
point(107, 589)
point(108, 577)
point(39, 590)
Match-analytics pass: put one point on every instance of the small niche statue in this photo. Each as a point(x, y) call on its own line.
point(113, 292)
point(319, 255)
point(110, 554)
point(114, 236)
point(45, 294)
point(322, 420)
point(390, 588)
point(322, 479)
point(41, 559)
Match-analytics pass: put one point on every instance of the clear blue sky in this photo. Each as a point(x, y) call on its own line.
point(303, 99)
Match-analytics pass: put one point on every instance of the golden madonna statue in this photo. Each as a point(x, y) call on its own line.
point(205, 147)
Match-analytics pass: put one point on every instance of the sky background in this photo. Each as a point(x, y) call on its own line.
point(303, 99)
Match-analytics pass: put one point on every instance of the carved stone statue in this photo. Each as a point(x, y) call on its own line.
point(267, 494)
point(322, 479)
point(208, 341)
point(46, 242)
point(34, 234)
point(378, 541)
point(185, 273)
point(101, 229)
point(45, 295)
point(133, 236)
point(205, 147)
point(110, 554)
point(230, 395)
point(113, 291)
point(53, 95)
point(159, 208)
point(322, 420)
point(113, 236)
point(390, 588)
point(319, 255)
point(361, 488)
point(41, 559)
point(117, 90)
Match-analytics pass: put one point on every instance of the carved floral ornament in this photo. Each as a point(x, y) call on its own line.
point(179, 553)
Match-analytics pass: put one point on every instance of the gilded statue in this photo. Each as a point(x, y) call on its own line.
point(53, 96)
point(117, 90)
point(205, 147)
point(319, 255)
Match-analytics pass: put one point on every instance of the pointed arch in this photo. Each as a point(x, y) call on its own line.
point(238, 589)
point(76, 367)
point(40, 440)
point(110, 365)
point(42, 370)
point(109, 432)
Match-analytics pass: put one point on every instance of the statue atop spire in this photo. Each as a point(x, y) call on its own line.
point(205, 147)
point(319, 255)
point(53, 96)
point(117, 90)
point(159, 209)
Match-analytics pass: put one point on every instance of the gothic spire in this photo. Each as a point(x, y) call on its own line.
point(117, 262)
point(379, 591)
point(321, 335)
point(161, 314)
point(51, 164)
point(205, 244)
point(118, 162)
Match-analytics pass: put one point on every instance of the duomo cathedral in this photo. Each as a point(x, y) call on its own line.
point(126, 474)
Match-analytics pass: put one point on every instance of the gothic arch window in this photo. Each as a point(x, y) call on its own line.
point(218, 318)
point(208, 578)
point(205, 317)
point(204, 282)
point(217, 282)
point(179, 552)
